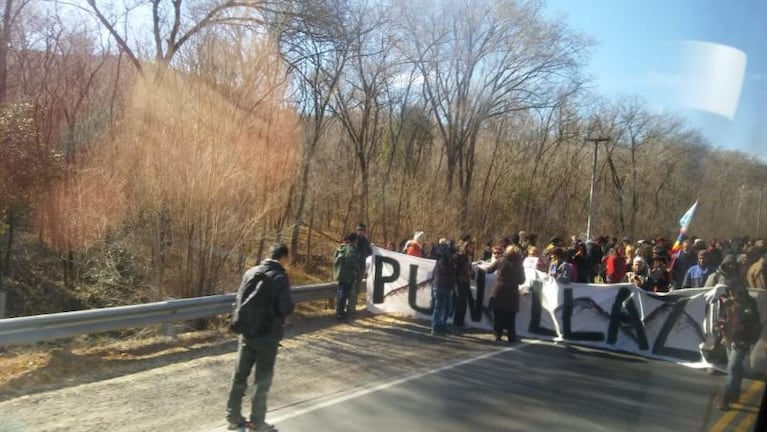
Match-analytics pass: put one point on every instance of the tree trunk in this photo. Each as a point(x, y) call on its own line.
point(303, 191)
point(5, 39)
point(5, 265)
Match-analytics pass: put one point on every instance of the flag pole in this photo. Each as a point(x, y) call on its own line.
point(684, 225)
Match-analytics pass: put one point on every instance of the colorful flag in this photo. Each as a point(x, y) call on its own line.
point(684, 224)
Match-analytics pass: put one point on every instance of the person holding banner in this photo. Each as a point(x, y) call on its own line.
point(464, 274)
point(364, 250)
point(415, 246)
point(445, 273)
point(346, 271)
point(640, 274)
point(504, 294)
point(740, 325)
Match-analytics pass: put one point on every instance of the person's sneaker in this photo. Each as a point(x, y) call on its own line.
point(262, 427)
point(241, 425)
point(723, 403)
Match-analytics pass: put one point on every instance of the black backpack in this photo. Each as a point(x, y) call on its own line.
point(254, 312)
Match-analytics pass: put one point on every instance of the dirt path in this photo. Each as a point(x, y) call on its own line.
point(187, 391)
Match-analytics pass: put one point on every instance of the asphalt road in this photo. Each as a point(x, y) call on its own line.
point(530, 387)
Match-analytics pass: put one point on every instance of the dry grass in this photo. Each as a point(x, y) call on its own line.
point(49, 366)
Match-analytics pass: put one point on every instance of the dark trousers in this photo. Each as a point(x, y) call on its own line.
point(252, 351)
point(351, 306)
point(342, 297)
point(505, 320)
point(463, 295)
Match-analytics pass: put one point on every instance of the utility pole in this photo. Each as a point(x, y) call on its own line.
point(759, 212)
point(740, 204)
point(590, 226)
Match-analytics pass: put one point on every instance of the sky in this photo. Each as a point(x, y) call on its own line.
point(703, 59)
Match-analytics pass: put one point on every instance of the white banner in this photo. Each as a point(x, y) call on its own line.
point(618, 317)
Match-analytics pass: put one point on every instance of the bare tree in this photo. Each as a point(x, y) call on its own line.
point(359, 99)
point(480, 60)
point(11, 12)
point(26, 165)
point(174, 23)
point(316, 54)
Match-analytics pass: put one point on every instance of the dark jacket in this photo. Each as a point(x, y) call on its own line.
point(282, 302)
point(445, 270)
point(364, 250)
point(504, 295)
point(464, 270)
point(739, 316)
point(682, 263)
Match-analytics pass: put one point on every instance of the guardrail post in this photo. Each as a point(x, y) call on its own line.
point(167, 328)
point(2, 304)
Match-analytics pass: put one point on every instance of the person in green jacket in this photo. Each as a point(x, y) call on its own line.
point(346, 270)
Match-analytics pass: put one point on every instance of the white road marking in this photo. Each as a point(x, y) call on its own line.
point(389, 384)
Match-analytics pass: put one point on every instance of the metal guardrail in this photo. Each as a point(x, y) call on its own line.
point(31, 329)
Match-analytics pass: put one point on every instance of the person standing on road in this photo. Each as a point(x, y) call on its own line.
point(258, 346)
point(364, 250)
point(443, 285)
point(740, 326)
point(464, 274)
point(504, 295)
point(346, 270)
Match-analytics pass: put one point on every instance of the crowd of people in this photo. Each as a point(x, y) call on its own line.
point(651, 265)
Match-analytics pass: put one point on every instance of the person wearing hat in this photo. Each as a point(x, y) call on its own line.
point(414, 247)
point(364, 250)
point(259, 348)
point(729, 269)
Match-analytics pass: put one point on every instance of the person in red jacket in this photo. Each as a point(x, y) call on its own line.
point(414, 247)
point(615, 265)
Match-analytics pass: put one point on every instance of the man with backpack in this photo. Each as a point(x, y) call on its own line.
point(740, 326)
point(263, 303)
point(346, 270)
